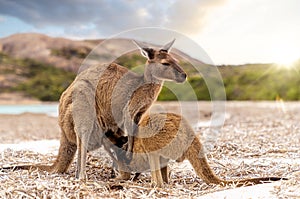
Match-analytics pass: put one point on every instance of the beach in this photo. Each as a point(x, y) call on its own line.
point(255, 139)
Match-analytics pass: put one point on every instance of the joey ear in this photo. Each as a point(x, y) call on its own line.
point(145, 51)
point(167, 47)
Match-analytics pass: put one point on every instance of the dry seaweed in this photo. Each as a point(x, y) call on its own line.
point(255, 142)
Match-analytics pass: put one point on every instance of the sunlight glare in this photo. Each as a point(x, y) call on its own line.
point(286, 62)
point(287, 58)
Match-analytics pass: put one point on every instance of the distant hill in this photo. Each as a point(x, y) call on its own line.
point(59, 52)
point(38, 61)
point(42, 67)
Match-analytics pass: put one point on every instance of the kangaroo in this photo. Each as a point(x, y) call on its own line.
point(105, 99)
point(166, 136)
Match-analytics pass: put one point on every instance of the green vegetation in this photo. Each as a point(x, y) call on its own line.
point(42, 81)
point(247, 82)
point(45, 82)
point(68, 53)
point(131, 60)
point(261, 82)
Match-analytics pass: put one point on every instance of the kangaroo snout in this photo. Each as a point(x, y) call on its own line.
point(181, 78)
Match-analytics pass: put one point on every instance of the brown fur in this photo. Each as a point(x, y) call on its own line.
point(169, 136)
point(104, 99)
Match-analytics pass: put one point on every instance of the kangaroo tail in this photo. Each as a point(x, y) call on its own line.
point(251, 181)
point(64, 158)
point(195, 154)
point(48, 168)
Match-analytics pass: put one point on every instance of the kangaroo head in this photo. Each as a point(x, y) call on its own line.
point(161, 65)
point(117, 138)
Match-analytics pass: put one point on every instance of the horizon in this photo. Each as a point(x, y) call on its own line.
point(230, 31)
point(280, 65)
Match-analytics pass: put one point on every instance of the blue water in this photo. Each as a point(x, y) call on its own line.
point(49, 109)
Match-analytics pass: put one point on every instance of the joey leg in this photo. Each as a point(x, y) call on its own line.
point(165, 174)
point(129, 153)
point(130, 143)
point(156, 177)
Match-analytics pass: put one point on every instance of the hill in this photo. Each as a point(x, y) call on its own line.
point(42, 67)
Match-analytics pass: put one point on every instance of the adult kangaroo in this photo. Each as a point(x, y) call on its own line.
point(165, 136)
point(108, 98)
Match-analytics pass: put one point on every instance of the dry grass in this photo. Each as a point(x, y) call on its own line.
point(255, 141)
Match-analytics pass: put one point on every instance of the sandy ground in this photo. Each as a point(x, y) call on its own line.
point(17, 98)
point(27, 127)
point(257, 139)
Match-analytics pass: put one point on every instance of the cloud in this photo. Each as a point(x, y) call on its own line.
point(55, 12)
point(189, 16)
point(109, 17)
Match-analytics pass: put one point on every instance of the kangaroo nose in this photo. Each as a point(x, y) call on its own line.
point(182, 77)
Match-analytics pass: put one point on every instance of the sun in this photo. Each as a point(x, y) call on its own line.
point(287, 58)
point(286, 62)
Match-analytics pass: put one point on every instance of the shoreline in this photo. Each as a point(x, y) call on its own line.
point(17, 98)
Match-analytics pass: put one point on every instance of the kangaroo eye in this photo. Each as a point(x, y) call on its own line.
point(166, 64)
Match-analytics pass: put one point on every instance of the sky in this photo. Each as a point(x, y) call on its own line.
point(230, 31)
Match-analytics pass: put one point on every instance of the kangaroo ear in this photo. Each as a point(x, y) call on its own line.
point(167, 47)
point(145, 51)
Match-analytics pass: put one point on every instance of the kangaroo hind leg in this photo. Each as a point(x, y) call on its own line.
point(66, 153)
point(82, 144)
